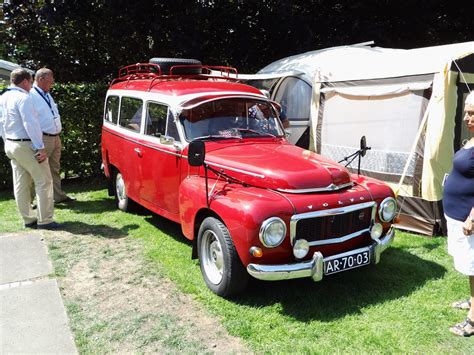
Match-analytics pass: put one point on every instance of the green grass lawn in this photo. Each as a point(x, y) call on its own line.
point(400, 305)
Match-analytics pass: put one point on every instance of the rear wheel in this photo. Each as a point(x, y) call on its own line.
point(220, 264)
point(121, 197)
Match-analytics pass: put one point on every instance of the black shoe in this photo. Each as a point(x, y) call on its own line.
point(31, 225)
point(51, 226)
point(67, 200)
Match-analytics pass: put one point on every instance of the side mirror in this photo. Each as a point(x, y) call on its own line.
point(363, 146)
point(196, 153)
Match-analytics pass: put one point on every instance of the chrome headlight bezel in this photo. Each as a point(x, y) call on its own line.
point(382, 209)
point(265, 238)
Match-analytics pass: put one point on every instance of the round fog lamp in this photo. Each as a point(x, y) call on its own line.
point(301, 248)
point(376, 231)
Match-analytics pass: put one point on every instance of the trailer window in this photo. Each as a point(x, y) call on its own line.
point(294, 96)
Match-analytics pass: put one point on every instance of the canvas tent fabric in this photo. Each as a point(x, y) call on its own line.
point(408, 103)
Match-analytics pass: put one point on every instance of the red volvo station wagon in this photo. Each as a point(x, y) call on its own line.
point(190, 143)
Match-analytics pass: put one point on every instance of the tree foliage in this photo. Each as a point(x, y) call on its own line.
point(88, 40)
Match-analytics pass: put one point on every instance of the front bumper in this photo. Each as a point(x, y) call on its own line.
point(314, 268)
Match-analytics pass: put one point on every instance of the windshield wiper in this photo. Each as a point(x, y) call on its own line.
point(248, 130)
point(214, 136)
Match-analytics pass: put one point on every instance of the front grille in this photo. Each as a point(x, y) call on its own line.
point(320, 228)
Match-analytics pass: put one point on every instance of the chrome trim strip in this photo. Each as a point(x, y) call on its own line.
point(340, 239)
point(331, 187)
point(237, 170)
point(113, 132)
point(314, 268)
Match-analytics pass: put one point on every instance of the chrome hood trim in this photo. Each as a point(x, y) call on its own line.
point(331, 187)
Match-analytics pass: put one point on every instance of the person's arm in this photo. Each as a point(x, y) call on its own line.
point(31, 123)
point(2, 120)
point(468, 225)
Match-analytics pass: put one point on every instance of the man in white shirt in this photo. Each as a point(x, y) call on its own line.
point(21, 133)
point(50, 122)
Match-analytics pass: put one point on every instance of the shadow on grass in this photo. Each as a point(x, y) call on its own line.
point(84, 184)
point(168, 227)
point(6, 195)
point(88, 207)
point(100, 230)
point(70, 186)
point(397, 275)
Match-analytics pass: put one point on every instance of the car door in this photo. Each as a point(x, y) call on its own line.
point(161, 159)
point(127, 147)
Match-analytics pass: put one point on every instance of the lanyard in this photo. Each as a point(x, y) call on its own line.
point(46, 99)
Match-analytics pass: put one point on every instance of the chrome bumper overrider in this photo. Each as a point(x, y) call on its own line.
point(314, 268)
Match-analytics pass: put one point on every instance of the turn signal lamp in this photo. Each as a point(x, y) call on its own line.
point(256, 252)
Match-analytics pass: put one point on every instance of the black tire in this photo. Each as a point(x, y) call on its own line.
point(124, 203)
point(166, 64)
point(220, 264)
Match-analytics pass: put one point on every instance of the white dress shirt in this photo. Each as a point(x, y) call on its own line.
point(48, 113)
point(19, 119)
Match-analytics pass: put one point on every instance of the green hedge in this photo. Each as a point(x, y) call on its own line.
point(81, 109)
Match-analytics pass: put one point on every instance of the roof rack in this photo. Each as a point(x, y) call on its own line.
point(153, 71)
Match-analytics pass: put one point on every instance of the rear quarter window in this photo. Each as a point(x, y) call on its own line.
point(112, 109)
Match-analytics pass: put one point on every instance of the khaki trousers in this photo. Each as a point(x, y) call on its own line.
point(25, 171)
point(52, 146)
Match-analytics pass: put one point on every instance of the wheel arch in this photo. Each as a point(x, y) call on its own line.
point(201, 215)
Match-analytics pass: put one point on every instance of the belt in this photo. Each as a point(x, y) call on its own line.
point(50, 135)
point(19, 139)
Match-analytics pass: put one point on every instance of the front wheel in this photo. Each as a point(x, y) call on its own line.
point(220, 264)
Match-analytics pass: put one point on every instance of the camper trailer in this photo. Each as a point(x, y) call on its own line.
point(408, 103)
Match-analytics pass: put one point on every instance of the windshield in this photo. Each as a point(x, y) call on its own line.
point(231, 118)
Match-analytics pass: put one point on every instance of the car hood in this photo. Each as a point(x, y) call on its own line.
point(277, 165)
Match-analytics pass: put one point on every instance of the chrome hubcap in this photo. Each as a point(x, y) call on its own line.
point(211, 257)
point(120, 187)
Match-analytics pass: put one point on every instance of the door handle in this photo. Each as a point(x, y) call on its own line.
point(138, 151)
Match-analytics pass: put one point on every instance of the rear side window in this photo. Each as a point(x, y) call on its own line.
point(131, 113)
point(111, 109)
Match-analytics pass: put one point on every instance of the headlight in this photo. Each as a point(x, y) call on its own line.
point(272, 232)
point(387, 209)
